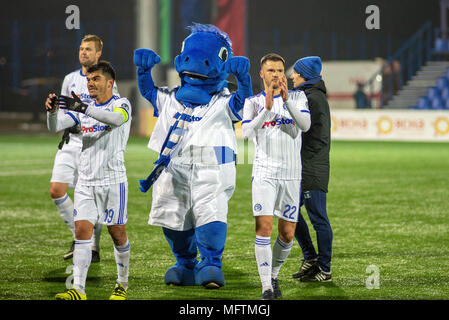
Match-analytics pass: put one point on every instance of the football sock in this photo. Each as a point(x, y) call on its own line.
point(281, 250)
point(96, 237)
point(121, 254)
point(82, 256)
point(65, 208)
point(263, 253)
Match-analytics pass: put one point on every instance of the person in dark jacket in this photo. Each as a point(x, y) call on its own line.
point(315, 150)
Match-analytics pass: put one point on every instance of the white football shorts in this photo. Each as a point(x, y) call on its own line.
point(186, 196)
point(276, 197)
point(101, 204)
point(65, 167)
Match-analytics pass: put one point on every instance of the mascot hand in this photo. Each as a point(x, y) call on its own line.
point(238, 66)
point(146, 58)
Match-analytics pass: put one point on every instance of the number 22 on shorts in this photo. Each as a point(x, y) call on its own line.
point(289, 211)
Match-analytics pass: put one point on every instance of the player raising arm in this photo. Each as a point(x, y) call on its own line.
point(274, 118)
point(65, 167)
point(101, 192)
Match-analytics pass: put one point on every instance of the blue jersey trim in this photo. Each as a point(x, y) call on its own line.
point(102, 104)
point(74, 118)
point(263, 93)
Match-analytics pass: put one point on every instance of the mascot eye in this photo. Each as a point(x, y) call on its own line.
point(223, 54)
point(182, 46)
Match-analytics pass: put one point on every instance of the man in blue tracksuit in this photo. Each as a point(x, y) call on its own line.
point(315, 176)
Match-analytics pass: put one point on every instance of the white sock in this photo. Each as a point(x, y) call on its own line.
point(65, 208)
point(262, 249)
point(96, 237)
point(122, 254)
point(82, 255)
point(281, 250)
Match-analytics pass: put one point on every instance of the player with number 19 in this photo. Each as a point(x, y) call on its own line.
point(101, 192)
point(274, 119)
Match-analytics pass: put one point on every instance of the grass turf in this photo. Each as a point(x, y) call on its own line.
point(387, 204)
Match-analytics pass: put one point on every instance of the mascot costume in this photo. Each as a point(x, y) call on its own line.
point(194, 177)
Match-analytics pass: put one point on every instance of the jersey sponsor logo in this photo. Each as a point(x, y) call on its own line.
point(188, 118)
point(84, 96)
point(277, 122)
point(95, 128)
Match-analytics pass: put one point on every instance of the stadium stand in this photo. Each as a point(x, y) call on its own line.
point(428, 89)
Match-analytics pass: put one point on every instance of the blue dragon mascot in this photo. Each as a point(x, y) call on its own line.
point(194, 177)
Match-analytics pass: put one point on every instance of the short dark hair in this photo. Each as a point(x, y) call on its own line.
point(105, 67)
point(271, 57)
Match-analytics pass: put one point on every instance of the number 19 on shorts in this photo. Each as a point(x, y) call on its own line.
point(109, 215)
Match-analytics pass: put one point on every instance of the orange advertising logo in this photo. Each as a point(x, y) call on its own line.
point(384, 125)
point(441, 126)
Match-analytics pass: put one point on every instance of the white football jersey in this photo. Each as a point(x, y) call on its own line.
point(76, 81)
point(210, 129)
point(102, 159)
point(277, 154)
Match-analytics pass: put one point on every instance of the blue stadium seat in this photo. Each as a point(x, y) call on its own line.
point(423, 103)
point(441, 45)
point(442, 82)
point(433, 92)
point(445, 93)
point(446, 106)
point(447, 73)
point(437, 103)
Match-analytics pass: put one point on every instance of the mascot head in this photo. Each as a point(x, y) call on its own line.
point(200, 64)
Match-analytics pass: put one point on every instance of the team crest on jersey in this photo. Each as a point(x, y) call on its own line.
point(257, 207)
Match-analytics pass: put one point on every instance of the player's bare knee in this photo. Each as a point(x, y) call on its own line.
point(57, 190)
point(286, 231)
point(264, 228)
point(286, 237)
point(118, 234)
point(83, 230)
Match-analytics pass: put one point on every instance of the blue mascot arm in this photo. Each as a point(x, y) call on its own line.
point(145, 60)
point(239, 67)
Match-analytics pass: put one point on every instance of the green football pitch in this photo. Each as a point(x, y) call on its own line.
point(387, 203)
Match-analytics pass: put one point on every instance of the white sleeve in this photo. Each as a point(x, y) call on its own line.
point(160, 98)
point(251, 123)
point(58, 120)
point(105, 116)
point(298, 108)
